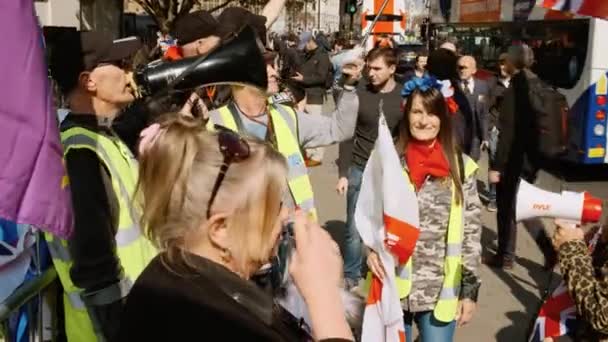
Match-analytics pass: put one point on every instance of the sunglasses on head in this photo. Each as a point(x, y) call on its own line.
point(234, 149)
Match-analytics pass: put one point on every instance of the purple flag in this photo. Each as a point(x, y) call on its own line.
point(33, 181)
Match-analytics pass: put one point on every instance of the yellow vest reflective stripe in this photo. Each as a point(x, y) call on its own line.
point(133, 249)
point(445, 309)
point(285, 123)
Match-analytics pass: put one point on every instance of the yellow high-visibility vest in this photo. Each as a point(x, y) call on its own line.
point(285, 123)
point(445, 309)
point(133, 249)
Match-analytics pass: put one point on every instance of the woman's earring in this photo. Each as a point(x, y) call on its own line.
point(226, 255)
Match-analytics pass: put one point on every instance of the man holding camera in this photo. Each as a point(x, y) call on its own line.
point(106, 252)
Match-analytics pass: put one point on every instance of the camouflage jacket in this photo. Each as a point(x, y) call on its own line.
point(434, 200)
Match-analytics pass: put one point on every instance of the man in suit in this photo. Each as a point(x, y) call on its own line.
point(477, 93)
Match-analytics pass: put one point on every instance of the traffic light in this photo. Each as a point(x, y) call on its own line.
point(351, 6)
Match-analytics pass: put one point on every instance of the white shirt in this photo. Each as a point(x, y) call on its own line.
point(505, 82)
point(471, 85)
point(62, 113)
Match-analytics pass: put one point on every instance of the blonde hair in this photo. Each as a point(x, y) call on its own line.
point(176, 177)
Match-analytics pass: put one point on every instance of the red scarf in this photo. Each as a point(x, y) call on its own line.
point(424, 159)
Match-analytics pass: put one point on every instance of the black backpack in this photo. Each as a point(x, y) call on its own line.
point(550, 119)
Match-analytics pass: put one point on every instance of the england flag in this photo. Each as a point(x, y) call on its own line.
point(386, 217)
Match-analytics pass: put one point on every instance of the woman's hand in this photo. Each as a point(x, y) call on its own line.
point(464, 312)
point(565, 232)
point(375, 265)
point(316, 264)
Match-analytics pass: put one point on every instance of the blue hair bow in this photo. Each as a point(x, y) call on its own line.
point(421, 83)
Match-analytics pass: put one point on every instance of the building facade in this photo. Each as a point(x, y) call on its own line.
point(99, 15)
point(321, 15)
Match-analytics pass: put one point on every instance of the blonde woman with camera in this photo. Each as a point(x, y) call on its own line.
point(212, 205)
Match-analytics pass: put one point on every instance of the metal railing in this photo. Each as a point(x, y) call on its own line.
point(24, 296)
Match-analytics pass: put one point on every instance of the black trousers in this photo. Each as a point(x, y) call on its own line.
point(505, 219)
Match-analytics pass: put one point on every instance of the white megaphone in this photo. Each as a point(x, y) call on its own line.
point(577, 207)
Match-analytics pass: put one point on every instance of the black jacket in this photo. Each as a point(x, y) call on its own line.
point(201, 300)
point(291, 60)
point(497, 92)
point(315, 70)
point(516, 154)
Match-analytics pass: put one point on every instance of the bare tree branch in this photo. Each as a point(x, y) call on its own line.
point(172, 9)
point(164, 4)
point(186, 7)
point(147, 6)
point(166, 12)
point(222, 5)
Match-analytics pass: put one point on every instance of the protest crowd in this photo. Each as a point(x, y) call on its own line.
point(186, 206)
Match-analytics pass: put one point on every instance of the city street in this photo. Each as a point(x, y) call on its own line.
point(508, 300)
point(144, 139)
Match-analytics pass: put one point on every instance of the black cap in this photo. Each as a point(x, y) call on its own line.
point(197, 25)
point(234, 19)
point(84, 51)
point(99, 47)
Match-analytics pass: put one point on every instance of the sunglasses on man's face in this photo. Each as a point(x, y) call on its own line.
point(462, 67)
point(234, 149)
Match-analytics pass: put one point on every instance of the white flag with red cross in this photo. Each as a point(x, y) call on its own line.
point(386, 217)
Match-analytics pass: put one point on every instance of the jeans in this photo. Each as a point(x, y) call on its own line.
point(352, 241)
point(431, 330)
point(493, 144)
